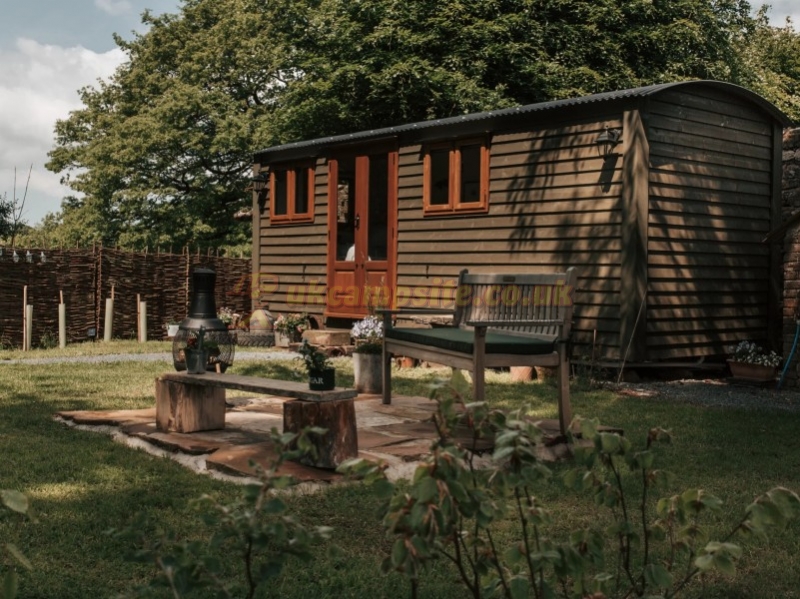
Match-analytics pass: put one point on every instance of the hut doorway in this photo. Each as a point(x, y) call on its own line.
point(362, 252)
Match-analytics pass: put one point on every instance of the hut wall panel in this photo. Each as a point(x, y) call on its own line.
point(294, 256)
point(552, 206)
point(710, 189)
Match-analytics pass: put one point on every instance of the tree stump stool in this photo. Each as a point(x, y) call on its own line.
point(338, 417)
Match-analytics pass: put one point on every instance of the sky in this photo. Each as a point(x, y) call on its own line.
point(49, 49)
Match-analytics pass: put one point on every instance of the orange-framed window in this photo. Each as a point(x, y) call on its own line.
point(291, 192)
point(456, 177)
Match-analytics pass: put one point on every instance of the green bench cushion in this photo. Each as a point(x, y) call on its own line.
point(461, 340)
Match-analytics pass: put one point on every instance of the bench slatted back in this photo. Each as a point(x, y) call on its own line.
point(505, 297)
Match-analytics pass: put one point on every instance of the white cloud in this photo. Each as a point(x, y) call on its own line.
point(780, 9)
point(114, 7)
point(38, 85)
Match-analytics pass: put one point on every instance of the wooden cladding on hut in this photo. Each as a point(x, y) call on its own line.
point(665, 230)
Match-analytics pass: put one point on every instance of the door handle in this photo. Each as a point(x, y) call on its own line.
point(358, 220)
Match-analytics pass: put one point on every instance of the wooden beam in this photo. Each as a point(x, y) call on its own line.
point(774, 315)
point(635, 208)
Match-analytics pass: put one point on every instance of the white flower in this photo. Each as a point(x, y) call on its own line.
point(750, 353)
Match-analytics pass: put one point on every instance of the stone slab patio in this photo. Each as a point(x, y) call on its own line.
point(399, 434)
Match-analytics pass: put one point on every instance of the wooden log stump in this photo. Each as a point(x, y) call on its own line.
point(340, 443)
point(186, 408)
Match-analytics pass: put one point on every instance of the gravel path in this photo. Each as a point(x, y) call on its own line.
point(159, 357)
point(713, 392)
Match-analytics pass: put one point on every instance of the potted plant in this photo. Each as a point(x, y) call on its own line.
point(321, 374)
point(172, 327)
point(750, 362)
point(367, 335)
point(290, 327)
point(228, 317)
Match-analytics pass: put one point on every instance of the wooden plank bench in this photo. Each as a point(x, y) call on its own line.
point(499, 320)
point(187, 403)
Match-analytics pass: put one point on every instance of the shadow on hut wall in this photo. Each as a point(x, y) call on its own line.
point(565, 202)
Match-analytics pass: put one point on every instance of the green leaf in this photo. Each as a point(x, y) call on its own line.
point(399, 552)
point(10, 585)
point(610, 443)
point(704, 562)
point(14, 500)
point(18, 555)
point(657, 576)
point(427, 489)
point(519, 587)
point(589, 428)
point(724, 564)
point(274, 506)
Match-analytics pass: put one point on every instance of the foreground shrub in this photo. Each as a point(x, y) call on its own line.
point(256, 532)
point(458, 503)
point(15, 502)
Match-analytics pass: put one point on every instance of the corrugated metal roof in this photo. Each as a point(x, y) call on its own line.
point(606, 97)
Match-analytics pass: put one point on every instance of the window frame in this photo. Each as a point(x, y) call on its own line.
point(454, 204)
point(292, 172)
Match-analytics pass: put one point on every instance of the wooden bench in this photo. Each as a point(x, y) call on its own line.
point(187, 403)
point(499, 320)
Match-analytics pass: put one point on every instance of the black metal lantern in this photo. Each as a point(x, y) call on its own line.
point(259, 182)
point(607, 141)
point(218, 342)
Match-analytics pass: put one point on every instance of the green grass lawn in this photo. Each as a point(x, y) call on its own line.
point(81, 484)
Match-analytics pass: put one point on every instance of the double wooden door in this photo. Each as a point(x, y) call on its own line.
point(362, 232)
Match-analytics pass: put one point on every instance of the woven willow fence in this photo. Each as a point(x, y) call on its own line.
point(86, 277)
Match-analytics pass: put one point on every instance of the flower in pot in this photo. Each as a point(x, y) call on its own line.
point(750, 361)
point(172, 326)
point(228, 317)
point(321, 374)
point(292, 326)
point(367, 335)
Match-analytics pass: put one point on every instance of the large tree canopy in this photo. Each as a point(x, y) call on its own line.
point(161, 153)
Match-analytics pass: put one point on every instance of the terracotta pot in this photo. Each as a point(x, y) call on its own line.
point(521, 373)
point(406, 362)
point(752, 372)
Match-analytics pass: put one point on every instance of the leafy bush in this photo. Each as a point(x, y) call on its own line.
point(457, 505)
point(257, 529)
point(16, 502)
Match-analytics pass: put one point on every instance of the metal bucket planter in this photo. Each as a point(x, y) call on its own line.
point(368, 373)
point(322, 380)
point(196, 360)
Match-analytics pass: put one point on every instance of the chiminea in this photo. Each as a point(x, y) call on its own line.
point(217, 341)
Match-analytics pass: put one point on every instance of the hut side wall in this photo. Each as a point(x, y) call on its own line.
point(554, 203)
point(791, 263)
point(710, 208)
point(292, 258)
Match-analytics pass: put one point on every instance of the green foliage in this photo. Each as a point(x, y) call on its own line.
point(161, 153)
point(771, 57)
point(457, 507)
point(16, 502)
point(313, 357)
point(257, 529)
